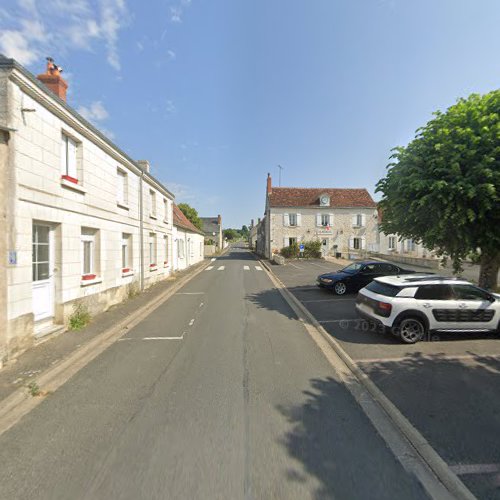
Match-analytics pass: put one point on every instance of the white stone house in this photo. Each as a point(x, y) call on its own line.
point(344, 220)
point(189, 242)
point(81, 221)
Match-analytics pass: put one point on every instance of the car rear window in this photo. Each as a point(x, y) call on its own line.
point(383, 289)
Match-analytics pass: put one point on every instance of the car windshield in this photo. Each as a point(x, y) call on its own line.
point(352, 268)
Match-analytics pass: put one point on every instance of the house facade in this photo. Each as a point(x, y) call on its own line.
point(188, 240)
point(212, 228)
point(344, 220)
point(82, 222)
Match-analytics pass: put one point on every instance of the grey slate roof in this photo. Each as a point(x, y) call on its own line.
point(210, 225)
point(8, 63)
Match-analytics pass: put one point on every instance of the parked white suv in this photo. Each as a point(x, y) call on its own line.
point(412, 306)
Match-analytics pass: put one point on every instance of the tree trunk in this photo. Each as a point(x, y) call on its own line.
point(488, 273)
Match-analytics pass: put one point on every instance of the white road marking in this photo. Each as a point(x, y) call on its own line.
point(221, 268)
point(163, 338)
point(209, 268)
point(212, 260)
point(246, 268)
point(258, 268)
point(464, 469)
point(202, 304)
point(296, 267)
point(190, 293)
point(191, 323)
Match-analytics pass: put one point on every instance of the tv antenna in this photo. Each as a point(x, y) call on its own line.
point(281, 168)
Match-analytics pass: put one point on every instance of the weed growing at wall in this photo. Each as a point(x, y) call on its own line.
point(80, 317)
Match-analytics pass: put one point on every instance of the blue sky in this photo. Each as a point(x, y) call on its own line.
point(216, 93)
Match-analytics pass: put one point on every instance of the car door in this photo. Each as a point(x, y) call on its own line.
point(365, 275)
point(438, 304)
point(476, 309)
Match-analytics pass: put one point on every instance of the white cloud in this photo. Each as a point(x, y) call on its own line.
point(181, 191)
point(177, 11)
point(95, 112)
point(170, 107)
point(39, 28)
point(171, 55)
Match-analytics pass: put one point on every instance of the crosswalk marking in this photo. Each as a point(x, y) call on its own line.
point(246, 268)
point(258, 268)
point(209, 268)
point(221, 268)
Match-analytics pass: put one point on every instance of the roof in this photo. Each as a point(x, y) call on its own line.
point(309, 197)
point(210, 224)
point(8, 63)
point(180, 220)
point(421, 279)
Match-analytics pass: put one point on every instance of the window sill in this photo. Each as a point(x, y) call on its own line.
point(94, 281)
point(126, 274)
point(153, 268)
point(72, 185)
point(151, 216)
point(122, 205)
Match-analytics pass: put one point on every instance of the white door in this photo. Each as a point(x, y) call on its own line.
point(43, 264)
point(324, 247)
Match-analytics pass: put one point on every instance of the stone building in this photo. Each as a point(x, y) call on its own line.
point(212, 228)
point(344, 220)
point(81, 221)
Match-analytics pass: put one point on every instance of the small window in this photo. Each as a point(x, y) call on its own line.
point(89, 252)
point(152, 250)
point(69, 158)
point(356, 243)
point(325, 220)
point(292, 241)
point(165, 248)
point(165, 210)
point(434, 292)
point(41, 252)
point(180, 248)
point(469, 292)
point(126, 251)
point(152, 203)
point(392, 242)
point(293, 219)
point(359, 220)
point(122, 187)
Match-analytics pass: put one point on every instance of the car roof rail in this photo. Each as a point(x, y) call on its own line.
point(432, 277)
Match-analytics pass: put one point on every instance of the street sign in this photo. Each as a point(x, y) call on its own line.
point(301, 247)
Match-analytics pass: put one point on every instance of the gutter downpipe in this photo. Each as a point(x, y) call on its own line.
point(141, 230)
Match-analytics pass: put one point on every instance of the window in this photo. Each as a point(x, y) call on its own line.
point(152, 203)
point(152, 250)
point(469, 292)
point(434, 292)
point(356, 243)
point(392, 242)
point(126, 252)
point(41, 252)
point(325, 220)
point(89, 252)
point(358, 220)
point(292, 241)
point(69, 170)
point(180, 248)
point(410, 245)
point(165, 247)
point(122, 187)
point(293, 219)
point(165, 210)
point(383, 289)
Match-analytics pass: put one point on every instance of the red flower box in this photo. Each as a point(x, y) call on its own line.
point(126, 270)
point(86, 277)
point(152, 265)
point(69, 178)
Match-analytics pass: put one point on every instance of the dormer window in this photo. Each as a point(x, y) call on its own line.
point(324, 200)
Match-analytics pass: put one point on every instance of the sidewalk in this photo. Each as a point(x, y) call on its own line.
point(31, 364)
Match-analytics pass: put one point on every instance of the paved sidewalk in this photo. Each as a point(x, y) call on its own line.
point(27, 367)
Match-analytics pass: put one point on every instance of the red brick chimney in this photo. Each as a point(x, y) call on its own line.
point(53, 80)
point(269, 184)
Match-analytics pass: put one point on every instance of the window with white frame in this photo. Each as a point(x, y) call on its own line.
point(126, 252)
point(69, 158)
point(152, 203)
point(89, 251)
point(392, 243)
point(165, 248)
point(180, 248)
point(410, 245)
point(325, 220)
point(122, 187)
point(165, 210)
point(293, 219)
point(152, 250)
point(357, 243)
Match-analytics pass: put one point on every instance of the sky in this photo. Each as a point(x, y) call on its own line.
point(217, 93)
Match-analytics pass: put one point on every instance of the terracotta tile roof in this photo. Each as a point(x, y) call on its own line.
point(180, 220)
point(309, 197)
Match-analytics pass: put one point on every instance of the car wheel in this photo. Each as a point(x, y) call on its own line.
point(340, 288)
point(411, 330)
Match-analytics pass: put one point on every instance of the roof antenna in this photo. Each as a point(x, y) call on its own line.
point(281, 168)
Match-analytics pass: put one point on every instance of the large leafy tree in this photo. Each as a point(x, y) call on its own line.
point(191, 214)
point(443, 189)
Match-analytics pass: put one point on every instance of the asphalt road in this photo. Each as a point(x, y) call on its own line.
point(220, 393)
point(448, 387)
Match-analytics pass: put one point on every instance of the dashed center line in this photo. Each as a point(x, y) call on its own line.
point(258, 268)
point(209, 268)
point(221, 268)
point(246, 268)
point(191, 323)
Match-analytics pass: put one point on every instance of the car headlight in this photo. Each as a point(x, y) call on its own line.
point(326, 280)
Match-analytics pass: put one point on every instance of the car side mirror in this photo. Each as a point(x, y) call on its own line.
point(491, 298)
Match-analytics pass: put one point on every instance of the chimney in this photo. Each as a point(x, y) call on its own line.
point(258, 220)
point(219, 220)
point(252, 223)
point(53, 80)
point(144, 164)
point(269, 184)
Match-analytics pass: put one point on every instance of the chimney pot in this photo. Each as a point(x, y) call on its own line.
point(144, 164)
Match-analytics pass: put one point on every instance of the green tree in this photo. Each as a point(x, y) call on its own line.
point(443, 189)
point(191, 214)
point(231, 234)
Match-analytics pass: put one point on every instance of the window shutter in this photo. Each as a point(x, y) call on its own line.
point(63, 155)
point(286, 220)
point(363, 220)
point(363, 243)
point(72, 159)
point(299, 220)
point(351, 242)
point(330, 219)
point(285, 242)
point(354, 220)
point(318, 220)
point(121, 193)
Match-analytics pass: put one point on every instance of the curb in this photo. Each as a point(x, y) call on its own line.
point(428, 455)
point(19, 403)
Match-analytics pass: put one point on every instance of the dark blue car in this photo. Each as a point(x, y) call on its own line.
point(357, 275)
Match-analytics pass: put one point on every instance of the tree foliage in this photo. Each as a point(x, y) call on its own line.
point(443, 189)
point(192, 214)
point(231, 234)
